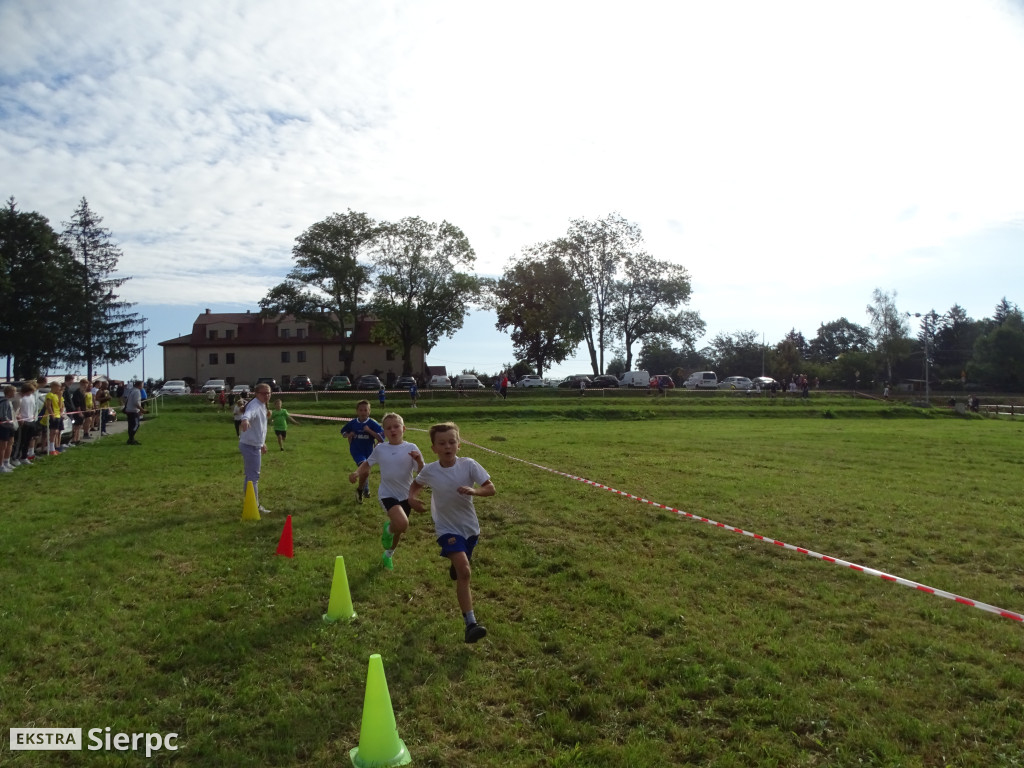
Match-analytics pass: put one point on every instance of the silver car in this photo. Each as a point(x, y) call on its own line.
point(174, 387)
point(736, 382)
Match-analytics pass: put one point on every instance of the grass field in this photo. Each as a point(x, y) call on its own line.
point(620, 634)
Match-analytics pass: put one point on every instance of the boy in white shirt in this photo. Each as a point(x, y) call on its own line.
point(454, 480)
point(399, 462)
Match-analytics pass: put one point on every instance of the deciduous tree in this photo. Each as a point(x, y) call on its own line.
point(421, 293)
point(329, 284)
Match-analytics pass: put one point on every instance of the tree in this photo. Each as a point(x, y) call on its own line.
point(106, 331)
point(35, 275)
point(595, 251)
point(953, 343)
point(836, 338)
point(659, 356)
point(889, 328)
point(328, 285)
point(538, 299)
point(999, 355)
point(1004, 310)
point(645, 303)
point(735, 354)
point(421, 295)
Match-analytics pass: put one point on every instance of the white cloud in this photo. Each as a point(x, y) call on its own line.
point(791, 155)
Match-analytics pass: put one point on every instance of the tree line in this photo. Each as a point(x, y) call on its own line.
point(58, 300)
point(951, 350)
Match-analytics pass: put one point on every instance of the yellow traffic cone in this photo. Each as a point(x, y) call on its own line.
point(379, 745)
point(340, 604)
point(250, 509)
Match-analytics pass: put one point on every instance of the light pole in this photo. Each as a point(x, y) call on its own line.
point(924, 329)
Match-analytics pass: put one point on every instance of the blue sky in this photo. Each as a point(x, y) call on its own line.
point(793, 156)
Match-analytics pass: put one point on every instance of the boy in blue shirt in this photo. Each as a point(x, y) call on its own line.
point(363, 433)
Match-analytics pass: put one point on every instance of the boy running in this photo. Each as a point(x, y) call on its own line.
point(399, 462)
point(362, 433)
point(454, 480)
point(280, 418)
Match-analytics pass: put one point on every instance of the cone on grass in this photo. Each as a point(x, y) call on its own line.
point(340, 605)
point(250, 509)
point(286, 546)
point(379, 744)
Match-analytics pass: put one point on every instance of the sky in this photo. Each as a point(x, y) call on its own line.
point(792, 156)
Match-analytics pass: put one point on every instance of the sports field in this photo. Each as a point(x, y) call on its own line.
point(620, 633)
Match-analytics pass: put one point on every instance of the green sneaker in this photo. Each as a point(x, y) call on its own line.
point(387, 562)
point(387, 538)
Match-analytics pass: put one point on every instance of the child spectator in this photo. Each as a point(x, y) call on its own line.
point(8, 426)
point(362, 433)
point(399, 462)
point(454, 480)
point(280, 417)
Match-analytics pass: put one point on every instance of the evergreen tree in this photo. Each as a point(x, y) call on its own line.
point(104, 330)
point(34, 270)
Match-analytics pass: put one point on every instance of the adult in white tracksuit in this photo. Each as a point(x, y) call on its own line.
point(252, 439)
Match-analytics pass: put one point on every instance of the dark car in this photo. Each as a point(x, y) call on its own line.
point(369, 382)
point(573, 382)
point(339, 383)
point(404, 382)
point(301, 383)
point(604, 381)
point(662, 380)
point(274, 386)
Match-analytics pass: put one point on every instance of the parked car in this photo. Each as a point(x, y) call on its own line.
point(404, 382)
point(369, 382)
point(573, 382)
point(736, 382)
point(662, 380)
point(301, 383)
point(530, 380)
point(702, 380)
point(765, 382)
point(604, 381)
point(274, 386)
point(635, 379)
point(439, 382)
point(214, 385)
point(241, 390)
point(468, 381)
point(174, 387)
point(339, 383)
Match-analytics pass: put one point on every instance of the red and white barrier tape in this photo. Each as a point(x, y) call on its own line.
point(810, 553)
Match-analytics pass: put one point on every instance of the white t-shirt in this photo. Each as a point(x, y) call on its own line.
point(453, 512)
point(397, 469)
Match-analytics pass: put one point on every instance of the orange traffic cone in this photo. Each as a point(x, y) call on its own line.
point(285, 545)
point(379, 745)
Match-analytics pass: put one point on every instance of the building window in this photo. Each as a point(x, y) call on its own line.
point(211, 334)
point(213, 358)
point(286, 333)
point(389, 354)
point(300, 356)
point(229, 358)
point(300, 333)
point(229, 334)
point(341, 356)
point(286, 357)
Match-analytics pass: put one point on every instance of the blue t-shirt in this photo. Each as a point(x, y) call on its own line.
point(361, 445)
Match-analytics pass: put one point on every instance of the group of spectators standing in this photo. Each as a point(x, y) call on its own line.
point(32, 417)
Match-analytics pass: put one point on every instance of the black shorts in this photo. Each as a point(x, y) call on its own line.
point(6, 432)
point(388, 502)
point(77, 418)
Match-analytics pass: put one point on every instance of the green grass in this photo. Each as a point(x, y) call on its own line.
point(621, 634)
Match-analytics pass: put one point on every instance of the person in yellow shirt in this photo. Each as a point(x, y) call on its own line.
point(53, 418)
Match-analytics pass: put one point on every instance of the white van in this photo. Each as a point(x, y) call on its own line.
point(635, 379)
point(701, 380)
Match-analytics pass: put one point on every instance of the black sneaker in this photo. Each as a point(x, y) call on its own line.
point(359, 495)
point(475, 632)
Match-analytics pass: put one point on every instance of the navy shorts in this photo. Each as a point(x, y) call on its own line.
point(388, 502)
point(452, 542)
point(6, 432)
